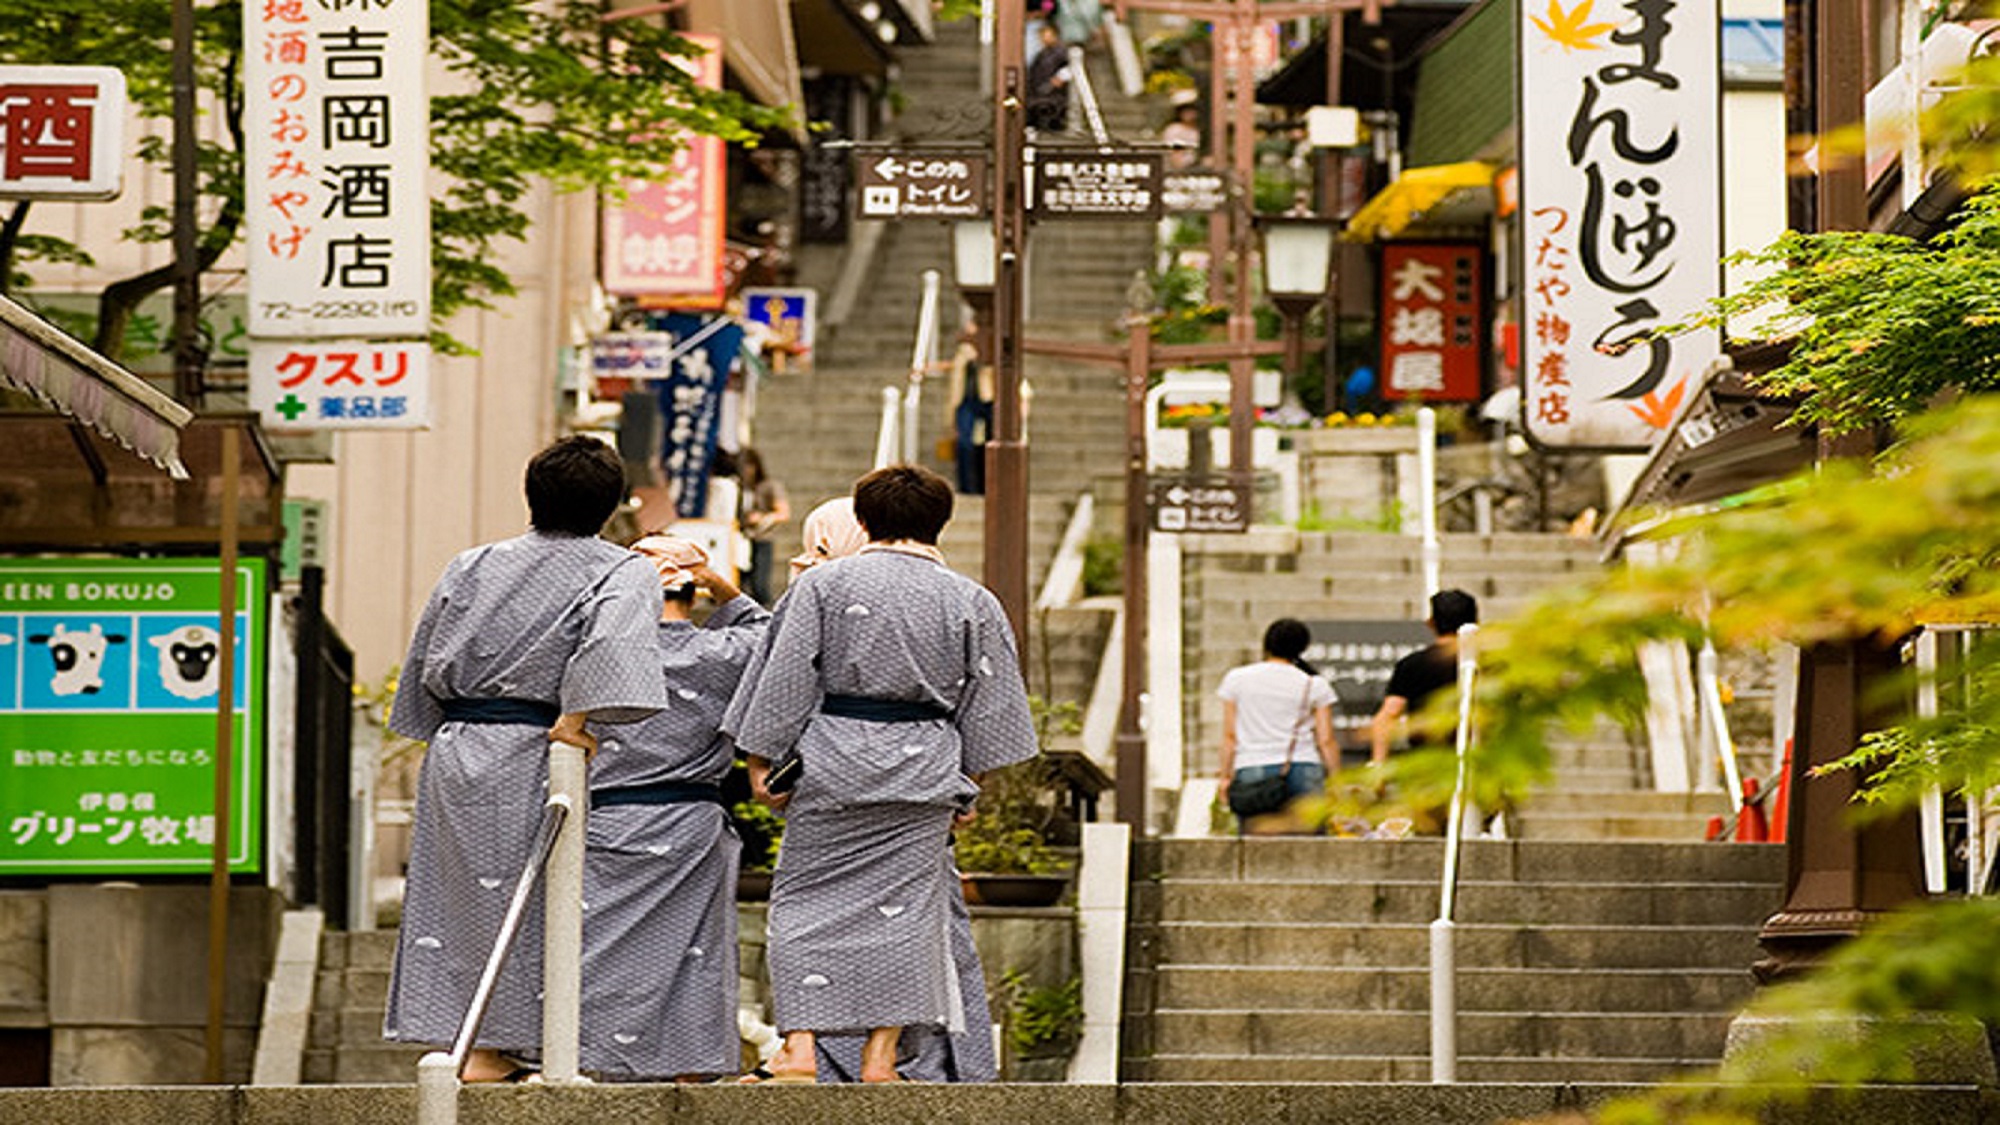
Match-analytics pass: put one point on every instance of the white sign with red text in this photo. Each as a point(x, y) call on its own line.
point(1620, 214)
point(337, 149)
point(62, 132)
point(341, 385)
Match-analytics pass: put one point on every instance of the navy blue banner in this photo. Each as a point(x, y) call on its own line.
point(691, 402)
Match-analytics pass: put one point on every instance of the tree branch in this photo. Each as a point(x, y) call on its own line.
point(10, 235)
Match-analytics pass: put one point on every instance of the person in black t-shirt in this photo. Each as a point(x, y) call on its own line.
point(1423, 672)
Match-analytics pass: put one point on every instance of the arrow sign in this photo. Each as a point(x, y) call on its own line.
point(888, 168)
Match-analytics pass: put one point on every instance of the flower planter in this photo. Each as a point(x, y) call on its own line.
point(990, 889)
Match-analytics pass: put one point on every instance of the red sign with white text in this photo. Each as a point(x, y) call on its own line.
point(664, 242)
point(1431, 301)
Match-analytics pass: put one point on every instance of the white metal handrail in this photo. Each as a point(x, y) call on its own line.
point(1444, 952)
point(1715, 723)
point(1086, 97)
point(923, 358)
point(889, 433)
point(558, 849)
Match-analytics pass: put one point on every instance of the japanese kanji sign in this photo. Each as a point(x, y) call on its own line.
point(1356, 657)
point(62, 132)
point(1188, 503)
point(341, 385)
point(915, 186)
point(108, 693)
point(691, 403)
point(1620, 219)
point(1198, 190)
point(788, 319)
point(1431, 317)
point(1096, 186)
point(337, 142)
point(665, 240)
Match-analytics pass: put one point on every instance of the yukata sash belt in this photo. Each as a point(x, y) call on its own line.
point(874, 710)
point(532, 712)
point(658, 793)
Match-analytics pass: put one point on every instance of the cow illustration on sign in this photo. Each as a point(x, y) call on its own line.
point(187, 661)
point(78, 656)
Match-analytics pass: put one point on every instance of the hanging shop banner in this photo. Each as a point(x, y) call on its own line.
point(341, 385)
point(664, 241)
point(337, 133)
point(62, 132)
point(108, 692)
point(691, 402)
point(1431, 312)
point(1620, 217)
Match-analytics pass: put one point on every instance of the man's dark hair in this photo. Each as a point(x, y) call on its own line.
point(574, 485)
point(683, 593)
point(1451, 609)
point(1286, 639)
point(903, 502)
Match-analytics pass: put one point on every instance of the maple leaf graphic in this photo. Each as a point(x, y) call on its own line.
point(1658, 412)
point(1570, 30)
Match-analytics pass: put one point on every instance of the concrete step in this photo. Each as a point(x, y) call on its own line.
point(1238, 1069)
point(1574, 802)
point(1524, 1034)
point(1585, 826)
point(1480, 989)
point(1544, 1096)
point(1492, 946)
point(380, 1062)
point(1334, 861)
point(1657, 904)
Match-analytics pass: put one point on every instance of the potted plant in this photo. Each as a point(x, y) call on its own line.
point(1004, 853)
point(1044, 1025)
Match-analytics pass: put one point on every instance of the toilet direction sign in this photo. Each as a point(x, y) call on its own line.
point(930, 185)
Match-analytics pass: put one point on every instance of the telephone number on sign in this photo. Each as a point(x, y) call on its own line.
point(337, 310)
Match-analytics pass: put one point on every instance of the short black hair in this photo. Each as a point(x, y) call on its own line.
point(1451, 609)
point(1287, 639)
point(903, 502)
point(574, 486)
point(682, 593)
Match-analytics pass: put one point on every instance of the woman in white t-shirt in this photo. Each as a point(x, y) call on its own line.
point(1276, 710)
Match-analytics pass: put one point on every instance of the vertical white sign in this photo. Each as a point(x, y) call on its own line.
point(337, 127)
point(1620, 213)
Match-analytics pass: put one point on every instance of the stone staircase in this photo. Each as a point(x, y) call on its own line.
point(345, 1041)
point(1304, 960)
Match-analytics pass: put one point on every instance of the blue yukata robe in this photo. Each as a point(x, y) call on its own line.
point(863, 899)
point(564, 621)
point(659, 883)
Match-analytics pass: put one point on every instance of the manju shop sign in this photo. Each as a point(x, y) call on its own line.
point(108, 691)
point(1620, 214)
point(1431, 314)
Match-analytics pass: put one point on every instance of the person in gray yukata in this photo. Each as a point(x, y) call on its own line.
point(659, 882)
point(522, 641)
point(894, 681)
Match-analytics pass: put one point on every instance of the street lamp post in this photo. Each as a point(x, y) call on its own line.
point(1298, 267)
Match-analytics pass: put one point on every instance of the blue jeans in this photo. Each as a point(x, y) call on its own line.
point(1307, 779)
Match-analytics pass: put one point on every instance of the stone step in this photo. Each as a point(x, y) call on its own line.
point(354, 988)
point(1493, 946)
point(1657, 904)
point(366, 949)
point(1525, 1034)
point(1480, 989)
point(1566, 802)
point(1238, 1069)
point(1333, 860)
point(1584, 826)
point(379, 1062)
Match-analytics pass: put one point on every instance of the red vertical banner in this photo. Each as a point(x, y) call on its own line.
point(1432, 298)
point(663, 243)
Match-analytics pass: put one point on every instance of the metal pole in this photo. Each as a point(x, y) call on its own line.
point(1006, 546)
point(922, 353)
point(1131, 741)
point(437, 1089)
point(1444, 953)
point(187, 268)
point(1427, 516)
point(1242, 322)
point(225, 705)
point(562, 950)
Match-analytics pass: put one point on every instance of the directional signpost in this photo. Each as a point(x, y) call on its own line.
point(1204, 503)
point(1194, 190)
point(1097, 185)
point(923, 186)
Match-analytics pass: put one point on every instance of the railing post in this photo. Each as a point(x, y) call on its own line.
point(1427, 497)
point(1444, 953)
point(437, 1089)
point(562, 950)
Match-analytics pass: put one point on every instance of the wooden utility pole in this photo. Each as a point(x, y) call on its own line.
point(1006, 546)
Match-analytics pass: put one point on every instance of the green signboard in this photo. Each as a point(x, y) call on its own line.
point(108, 694)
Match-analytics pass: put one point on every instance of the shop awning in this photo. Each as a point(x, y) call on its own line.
point(758, 48)
point(47, 363)
point(1441, 195)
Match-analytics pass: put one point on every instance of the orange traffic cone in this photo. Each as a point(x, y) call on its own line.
point(1751, 827)
point(1781, 797)
point(1714, 828)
